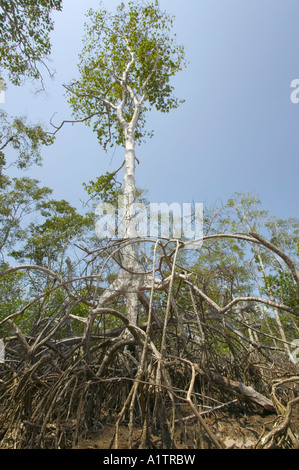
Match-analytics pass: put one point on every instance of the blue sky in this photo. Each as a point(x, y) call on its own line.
point(237, 131)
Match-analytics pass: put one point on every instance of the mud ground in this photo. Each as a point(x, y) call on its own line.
point(236, 430)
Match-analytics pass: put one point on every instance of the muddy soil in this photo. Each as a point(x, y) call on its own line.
point(236, 430)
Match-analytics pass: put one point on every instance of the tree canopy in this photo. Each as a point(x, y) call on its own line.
point(24, 36)
point(126, 66)
point(26, 139)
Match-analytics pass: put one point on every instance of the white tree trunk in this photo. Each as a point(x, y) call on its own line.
point(129, 183)
point(276, 314)
point(130, 255)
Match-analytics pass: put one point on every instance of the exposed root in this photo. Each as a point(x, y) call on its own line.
point(77, 367)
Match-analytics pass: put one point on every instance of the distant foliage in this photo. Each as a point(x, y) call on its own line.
point(24, 36)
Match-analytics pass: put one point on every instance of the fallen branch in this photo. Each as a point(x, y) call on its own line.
point(242, 391)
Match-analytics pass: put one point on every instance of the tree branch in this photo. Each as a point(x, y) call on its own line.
point(280, 253)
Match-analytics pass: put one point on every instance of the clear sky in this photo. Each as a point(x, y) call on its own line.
point(237, 131)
